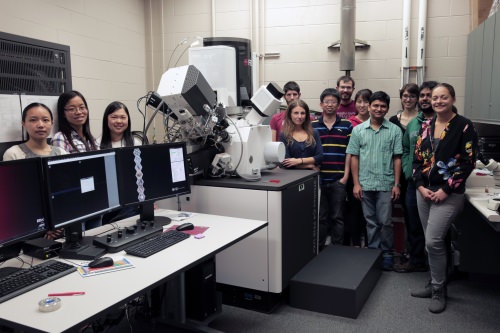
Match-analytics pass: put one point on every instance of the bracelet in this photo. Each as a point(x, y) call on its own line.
point(302, 160)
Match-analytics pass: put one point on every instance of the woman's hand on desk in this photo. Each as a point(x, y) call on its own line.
point(291, 162)
point(54, 234)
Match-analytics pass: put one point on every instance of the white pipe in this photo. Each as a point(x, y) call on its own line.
point(422, 19)
point(262, 32)
point(213, 17)
point(405, 57)
point(256, 44)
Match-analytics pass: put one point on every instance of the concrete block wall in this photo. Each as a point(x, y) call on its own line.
point(120, 48)
point(107, 43)
point(301, 31)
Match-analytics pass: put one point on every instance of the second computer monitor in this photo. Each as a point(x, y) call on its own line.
point(150, 173)
point(80, 188)
point(22, 210)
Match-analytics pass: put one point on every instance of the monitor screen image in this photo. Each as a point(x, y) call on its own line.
point(81, 186)
point(22, 210)
point(150, 173)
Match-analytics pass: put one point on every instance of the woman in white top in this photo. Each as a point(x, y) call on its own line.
point(116, 128)
point(116, 133)
point(37, 120)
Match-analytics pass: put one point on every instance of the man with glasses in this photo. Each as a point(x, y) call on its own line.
point(334, 171)
point(347, 107)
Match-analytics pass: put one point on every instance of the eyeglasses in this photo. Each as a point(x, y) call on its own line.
point(330, 102)
point(81, 108)
point(405, 96)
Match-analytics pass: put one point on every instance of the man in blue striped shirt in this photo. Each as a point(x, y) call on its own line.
point(334, 133)
point(376, 150)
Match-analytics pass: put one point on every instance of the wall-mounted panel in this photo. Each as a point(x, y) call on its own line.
point(31, 66)
point(494, 115)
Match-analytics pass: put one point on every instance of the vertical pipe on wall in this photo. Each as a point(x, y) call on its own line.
point(422, 19)
point(405, 57)
point(213, 17)
point(162, 38)
point(254, 4)
point(262, 32)
point(347, 35)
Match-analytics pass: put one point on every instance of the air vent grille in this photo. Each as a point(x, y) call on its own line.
point(33, 67)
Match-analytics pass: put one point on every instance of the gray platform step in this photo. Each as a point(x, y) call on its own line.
point(338, 281)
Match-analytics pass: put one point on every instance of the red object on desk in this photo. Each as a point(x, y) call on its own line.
point(69, 293)
point(274, 181)
point(197, 230)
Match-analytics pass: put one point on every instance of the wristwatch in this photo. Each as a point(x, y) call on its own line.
point(398, 185)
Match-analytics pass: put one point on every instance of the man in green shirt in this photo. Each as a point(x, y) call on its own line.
point(375, 148)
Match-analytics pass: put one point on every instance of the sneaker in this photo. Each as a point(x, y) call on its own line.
point(423, 293)
point(438, 301)
point(387, 263)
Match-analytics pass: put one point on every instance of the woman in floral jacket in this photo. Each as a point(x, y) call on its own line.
point(445, 155)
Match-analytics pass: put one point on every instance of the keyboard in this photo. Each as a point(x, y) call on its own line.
point(156, 243)
point(24, 280)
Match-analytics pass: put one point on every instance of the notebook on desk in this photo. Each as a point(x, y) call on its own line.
point(120, 263)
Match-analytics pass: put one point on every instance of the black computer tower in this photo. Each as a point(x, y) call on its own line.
point(244, 62)
point(201, 294)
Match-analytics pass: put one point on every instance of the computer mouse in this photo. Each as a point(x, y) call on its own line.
point(101, 262)
point(185, 226)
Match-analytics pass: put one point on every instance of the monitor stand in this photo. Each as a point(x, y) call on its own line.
point(78, 247)
point(147, 214)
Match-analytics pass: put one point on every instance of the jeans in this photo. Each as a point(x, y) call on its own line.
point(436, 220)
point(331, 212)
point(377, 208)
point(414, 229)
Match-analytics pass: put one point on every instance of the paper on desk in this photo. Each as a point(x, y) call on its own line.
point(120, 263)
point(179, 216)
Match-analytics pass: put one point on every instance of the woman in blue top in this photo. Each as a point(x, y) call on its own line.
point(302, 142)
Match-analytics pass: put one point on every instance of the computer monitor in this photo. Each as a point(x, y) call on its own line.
point(80, 187)
point(150, 173)
point(22, 209)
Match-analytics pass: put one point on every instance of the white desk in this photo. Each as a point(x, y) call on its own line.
point(107, 290)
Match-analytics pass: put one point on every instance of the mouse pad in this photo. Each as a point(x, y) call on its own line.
point(197, 230)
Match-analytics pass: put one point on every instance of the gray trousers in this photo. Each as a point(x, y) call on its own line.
point(436, 220)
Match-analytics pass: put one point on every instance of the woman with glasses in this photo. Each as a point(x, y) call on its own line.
point(409, 98)
point(74, 132)
point(74, 127)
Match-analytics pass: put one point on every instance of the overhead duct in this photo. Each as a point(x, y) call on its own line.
point(347, 35)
